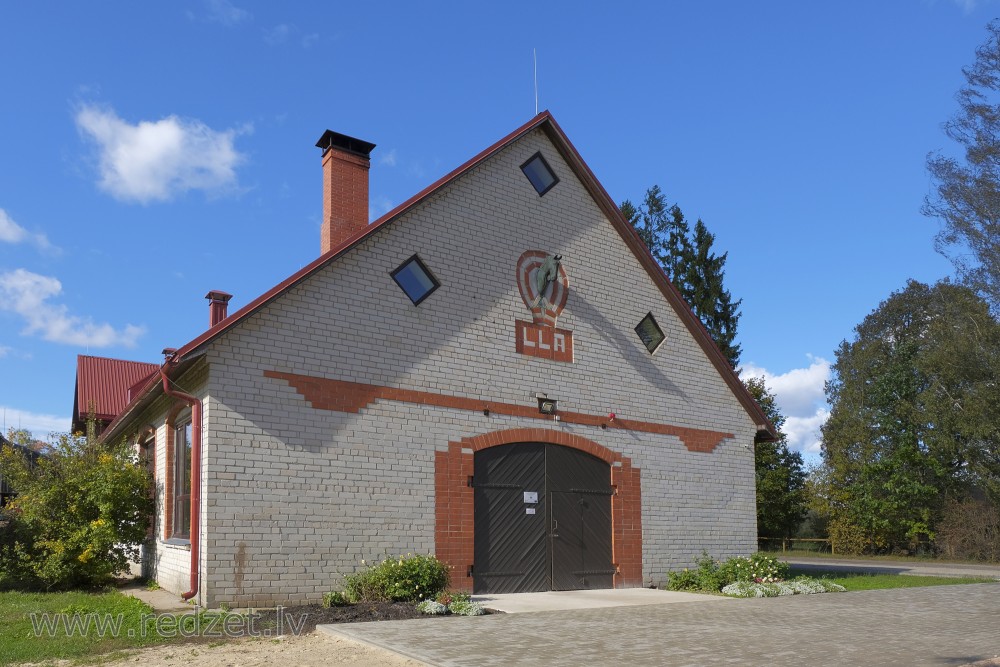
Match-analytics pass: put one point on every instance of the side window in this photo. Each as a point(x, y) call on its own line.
point(650, 333)
point(415, 280)
point(181, 463)
point(539, 173)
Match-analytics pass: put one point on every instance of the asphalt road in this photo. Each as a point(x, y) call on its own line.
point(929, 568)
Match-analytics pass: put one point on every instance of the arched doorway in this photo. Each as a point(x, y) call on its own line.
point(542, 519)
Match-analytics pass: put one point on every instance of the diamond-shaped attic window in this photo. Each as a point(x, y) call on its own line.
point(650, 333)
point(414, 279)
point(539, 173)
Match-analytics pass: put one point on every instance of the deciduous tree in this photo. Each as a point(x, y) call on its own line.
point(967, 189)
point(81, 513)
point(914, 416)
point(781, 479)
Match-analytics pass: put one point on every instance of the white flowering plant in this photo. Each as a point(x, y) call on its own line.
point(447, 602)
point(711, 575)
point(799, 586)
point(432, 607)
point(759, 568)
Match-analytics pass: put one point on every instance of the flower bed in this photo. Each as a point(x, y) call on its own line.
point(800, 586)
point(758, 576)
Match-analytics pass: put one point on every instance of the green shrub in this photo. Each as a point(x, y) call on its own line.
point(335, 599)
point(710, 575)
point(683, 580)
point(449, 602)
point(760, 568)
point(466, 608)
point(852, 539)
point(447, 597)
point(432, 607)
point(79, 517)
point(705, 577)
point(406, 578)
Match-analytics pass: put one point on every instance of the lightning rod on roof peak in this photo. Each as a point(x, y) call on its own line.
point(534, 55)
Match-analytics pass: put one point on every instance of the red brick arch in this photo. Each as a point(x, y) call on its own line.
point(454, 536)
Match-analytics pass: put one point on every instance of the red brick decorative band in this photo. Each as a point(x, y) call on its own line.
point(343, 396)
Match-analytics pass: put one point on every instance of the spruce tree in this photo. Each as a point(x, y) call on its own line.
point(689, 263)
point(709, 299)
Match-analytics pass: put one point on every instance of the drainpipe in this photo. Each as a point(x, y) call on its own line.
point(195, 404)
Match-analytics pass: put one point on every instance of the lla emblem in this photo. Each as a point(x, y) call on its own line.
point(544, 288)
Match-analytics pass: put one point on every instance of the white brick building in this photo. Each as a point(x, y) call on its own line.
point(343, 417)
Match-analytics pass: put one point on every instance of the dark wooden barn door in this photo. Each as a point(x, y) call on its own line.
point(579, 490)
point(511, 543)
point(542, 519)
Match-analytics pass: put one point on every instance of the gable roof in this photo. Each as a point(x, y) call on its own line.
point(545, 122)
point(103, 384)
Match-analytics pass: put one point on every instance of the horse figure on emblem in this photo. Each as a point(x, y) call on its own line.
point(547, 273)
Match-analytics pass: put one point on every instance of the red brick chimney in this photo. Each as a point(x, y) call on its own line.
point(345, 187)
point(218, 304)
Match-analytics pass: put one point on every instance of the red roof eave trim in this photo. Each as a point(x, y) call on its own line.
point(334, 253)
point(604, 201)
point(669, 291)
point(327, 257)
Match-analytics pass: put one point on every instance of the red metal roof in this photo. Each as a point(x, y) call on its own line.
point(103, 385)
point(547, 123)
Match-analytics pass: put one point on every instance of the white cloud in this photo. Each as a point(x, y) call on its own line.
point(11, 232)
point(378, 207)
point(969, 6)
point(40, 425)
point(157, 160)
point(804, 433)
point(389, 159)
point(28, 294)
point(283, 32)
point(4, 351)
point(226, 13)
point(278, 34)
point(801, 399)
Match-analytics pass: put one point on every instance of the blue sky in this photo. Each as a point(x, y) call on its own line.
point(154, 151)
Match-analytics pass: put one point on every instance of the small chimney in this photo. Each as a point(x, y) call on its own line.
point(345, 187)
point(218, 304)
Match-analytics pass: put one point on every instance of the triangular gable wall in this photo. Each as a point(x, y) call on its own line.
point(571, 166)
point(350, 322)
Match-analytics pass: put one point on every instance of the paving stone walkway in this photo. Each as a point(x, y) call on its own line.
point(941, 625)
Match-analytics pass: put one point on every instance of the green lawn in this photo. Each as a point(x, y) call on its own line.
point(46, 626)
point(860, 581)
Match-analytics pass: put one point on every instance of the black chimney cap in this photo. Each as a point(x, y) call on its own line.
point(331, 139)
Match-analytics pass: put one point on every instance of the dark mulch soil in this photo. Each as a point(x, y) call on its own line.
point(352, 613)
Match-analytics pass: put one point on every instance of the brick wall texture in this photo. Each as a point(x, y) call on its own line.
point(297, 491)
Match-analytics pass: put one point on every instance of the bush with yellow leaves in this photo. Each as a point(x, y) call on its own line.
point(81, 513)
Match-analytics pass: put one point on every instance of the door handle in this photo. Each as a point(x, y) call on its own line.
point(555, 528)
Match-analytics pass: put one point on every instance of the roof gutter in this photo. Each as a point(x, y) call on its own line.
point(196, 406)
